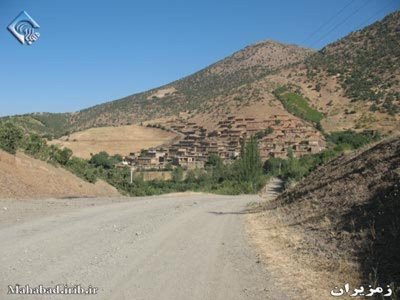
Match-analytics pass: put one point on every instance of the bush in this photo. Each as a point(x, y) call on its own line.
point(82, 169)
point(63, 156)
point(191, 176)
point(35, 145)
point(103, 160)
point(177, 174)
point(353, 139)
point(294, 169)
point(10, 137)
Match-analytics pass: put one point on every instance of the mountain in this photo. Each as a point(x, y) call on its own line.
point(197, 90)
point(187, 94)
point(352, 84)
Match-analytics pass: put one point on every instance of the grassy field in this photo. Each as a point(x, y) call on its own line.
point(297, 105)
point(114, 140)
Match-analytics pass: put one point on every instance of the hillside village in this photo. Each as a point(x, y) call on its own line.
point(276, 135)
point(245, 165)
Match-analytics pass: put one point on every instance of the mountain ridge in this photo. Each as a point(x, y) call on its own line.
point(244, 83)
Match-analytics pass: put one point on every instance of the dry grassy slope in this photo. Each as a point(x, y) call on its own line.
point(270, 54)
point(367, 60)
point(24, 177)
point(359, 74)
point(340, 112)
point(351, 55)
point(251, 100)
point(334, 95)
point(114, 140)
point(200, 92)
point(340, 224)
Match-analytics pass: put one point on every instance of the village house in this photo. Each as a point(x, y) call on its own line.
point(276, 135)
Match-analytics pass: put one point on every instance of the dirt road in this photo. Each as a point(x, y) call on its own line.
point(167, 247)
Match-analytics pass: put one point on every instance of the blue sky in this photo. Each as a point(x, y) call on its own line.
point(92, 51)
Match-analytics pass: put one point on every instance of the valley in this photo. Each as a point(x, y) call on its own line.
point(273, 173)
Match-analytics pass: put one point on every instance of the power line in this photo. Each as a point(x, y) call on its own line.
point(341, 23)
point(363, 24)
point(329, 21)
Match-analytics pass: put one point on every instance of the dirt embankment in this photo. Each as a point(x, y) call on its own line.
point(24, 177)
point(339, 225)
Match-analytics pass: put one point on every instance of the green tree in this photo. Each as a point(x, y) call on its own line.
point(249, 166)
point(102, 159)
point(177, 174)
point(10, 137)
point(63, 156)
point(35, 144)
point(83, 169)
point(214, 160)
point(353, 139)
point(191, 176)
point(117, 158)
point(274, 166)
point(319, 127)
point(294, 170)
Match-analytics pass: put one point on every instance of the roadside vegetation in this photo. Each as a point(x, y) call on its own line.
point(245, 175)
point(294, 169)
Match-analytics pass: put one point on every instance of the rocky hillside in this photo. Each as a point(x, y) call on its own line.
point(353, 82)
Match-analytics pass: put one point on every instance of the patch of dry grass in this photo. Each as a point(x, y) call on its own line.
point(297, 268)
point(114, 140)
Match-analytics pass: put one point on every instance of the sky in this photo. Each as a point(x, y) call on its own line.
point(94, 51)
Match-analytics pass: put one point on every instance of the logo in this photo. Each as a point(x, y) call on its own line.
point(24, 28)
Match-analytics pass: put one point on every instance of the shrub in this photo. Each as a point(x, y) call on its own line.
point(353, 139)
point(103, 160)
point(35, 145)
point(63, 156)
point(10, 137)
point(177, 174)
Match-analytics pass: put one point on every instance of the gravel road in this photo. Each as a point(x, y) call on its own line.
point(168, 247)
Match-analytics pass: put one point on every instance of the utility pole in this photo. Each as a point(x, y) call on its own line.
point(131, 176)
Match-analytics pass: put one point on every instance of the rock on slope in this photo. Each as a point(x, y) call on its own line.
point(24, 177)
